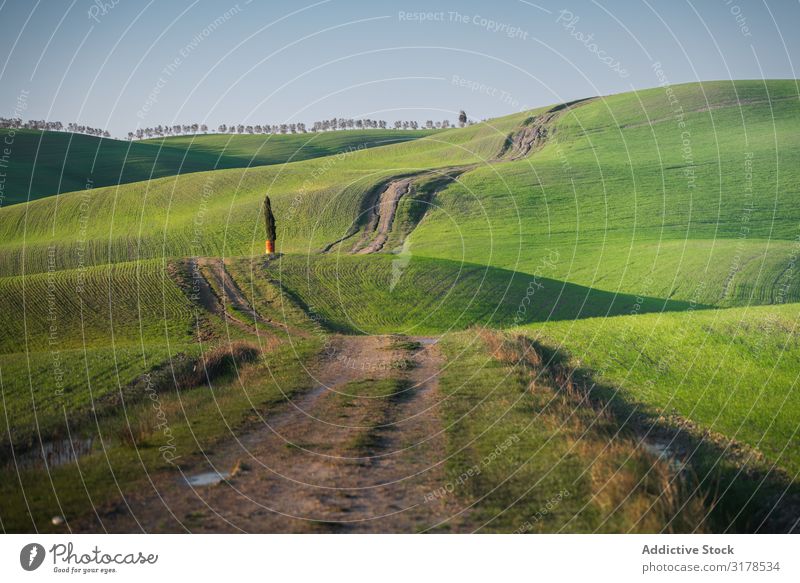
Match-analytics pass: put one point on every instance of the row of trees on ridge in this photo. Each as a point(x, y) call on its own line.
point(190, 129)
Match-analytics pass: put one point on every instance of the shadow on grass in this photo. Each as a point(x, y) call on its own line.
point(365, 294)
point(744, 492)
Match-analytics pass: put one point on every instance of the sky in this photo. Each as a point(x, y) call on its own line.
point(123, 64)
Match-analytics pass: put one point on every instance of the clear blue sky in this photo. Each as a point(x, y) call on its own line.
point(120, 64)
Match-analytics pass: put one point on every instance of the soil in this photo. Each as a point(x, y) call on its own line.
point(380, 224)
point(299, 471)
point(381, 203)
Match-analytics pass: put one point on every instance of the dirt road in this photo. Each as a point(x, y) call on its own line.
point(216, 292)
point(300, 470)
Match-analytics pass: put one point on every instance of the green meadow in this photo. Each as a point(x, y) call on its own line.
point(42, 163)
point(647, 247)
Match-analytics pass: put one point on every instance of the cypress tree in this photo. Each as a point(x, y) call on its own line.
point(269, 220)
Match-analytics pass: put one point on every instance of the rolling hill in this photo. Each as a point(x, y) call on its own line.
point(612, 267)
point(47, 163)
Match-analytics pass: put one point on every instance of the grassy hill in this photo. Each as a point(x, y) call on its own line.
point(731, 371)
point(717, 389)
point(629, 239)
point(46, 163)
point(611, 190)
point(613, 194)
point(217, 213)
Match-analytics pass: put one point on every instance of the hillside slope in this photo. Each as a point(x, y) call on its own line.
point(217, 213)
point(631, 197)
point(46, 163)
point(734, 372)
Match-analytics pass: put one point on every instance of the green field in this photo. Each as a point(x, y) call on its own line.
point(42, 164)
point(356, 295)
point(651, 255)
point(732, 371)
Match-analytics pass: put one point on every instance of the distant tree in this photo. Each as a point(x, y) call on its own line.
point(462, 118)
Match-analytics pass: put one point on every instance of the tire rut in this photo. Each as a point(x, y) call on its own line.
point(300, 472)
point(382, 202)
point(377, 230)
point(216, 291)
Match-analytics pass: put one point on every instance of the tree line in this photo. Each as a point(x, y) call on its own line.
point(190, 129)
point(288, 128)
point(51, 126)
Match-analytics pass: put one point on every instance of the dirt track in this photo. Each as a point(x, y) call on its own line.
point(301, 471)
point(217, 293)
point(382, 202)
point(380, 224)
